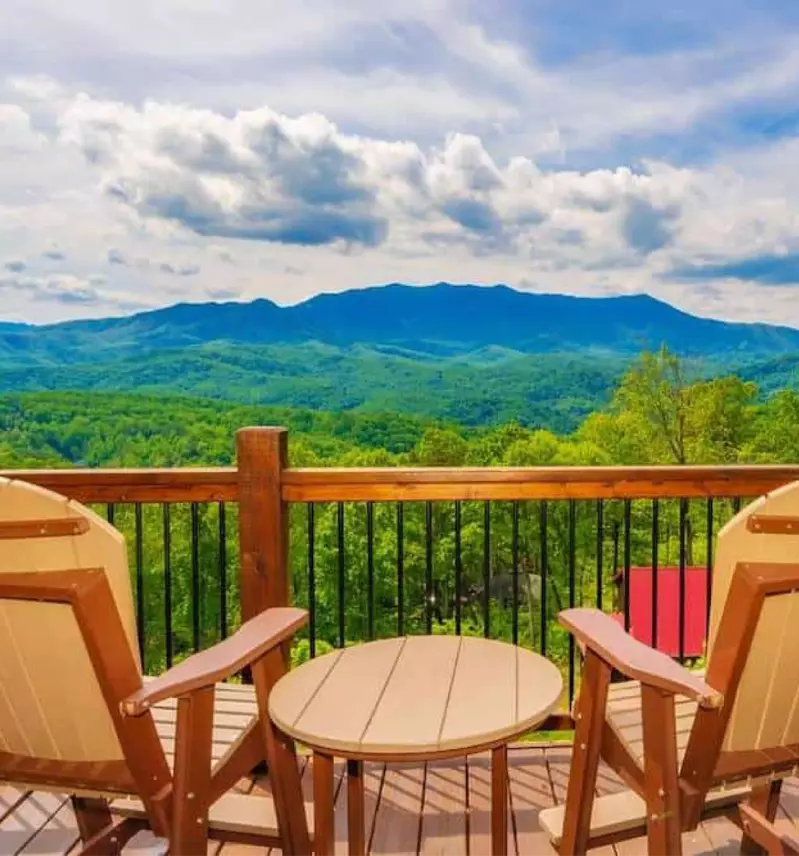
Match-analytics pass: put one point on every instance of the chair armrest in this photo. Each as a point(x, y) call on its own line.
point(253, 639)
point(602, 635)
point(765, 833)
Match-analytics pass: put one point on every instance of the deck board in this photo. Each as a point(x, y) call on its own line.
point(444, 809)
point(412, 809)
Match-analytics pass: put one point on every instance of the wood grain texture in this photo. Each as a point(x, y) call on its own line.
point(250, 642)
point(262, 456)
point(507, 483)
point(601, 634)
point(221, 484)
point(364, 701)
point(11, 530)
point(46, 826)
point(188, 484)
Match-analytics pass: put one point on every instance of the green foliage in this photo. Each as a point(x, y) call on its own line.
point(660, 413)
point(554, 390)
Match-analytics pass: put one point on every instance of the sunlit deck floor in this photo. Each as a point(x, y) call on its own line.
point(442, 808)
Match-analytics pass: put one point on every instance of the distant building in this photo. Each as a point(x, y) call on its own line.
point(668, 610)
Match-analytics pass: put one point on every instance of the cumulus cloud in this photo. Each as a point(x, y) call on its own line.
point(647, 228)
point(768, 269)
point(115, 257)
point(54, 255)
point(86, 294)
point(61, 288)
point(184, 270)
point(222, 293)
point(15, 266)
point(263, 176)
point(434, 141)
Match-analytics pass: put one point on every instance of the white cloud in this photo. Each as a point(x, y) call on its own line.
point(263, 176)
point(183, 151)
point(177, 188)
point(62, 288)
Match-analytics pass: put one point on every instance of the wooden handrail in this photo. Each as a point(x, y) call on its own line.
point(330, 484)
point(505, 483)
point(188, 484)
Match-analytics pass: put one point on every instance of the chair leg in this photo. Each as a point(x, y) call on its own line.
point(192, 778)
point(281, 758)
point(287, 790)
point(110, 840)
point(765, 800)
point(661, 773)
point(93, 816)
point(590, 716)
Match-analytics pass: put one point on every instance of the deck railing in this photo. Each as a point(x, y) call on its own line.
point(380, 552)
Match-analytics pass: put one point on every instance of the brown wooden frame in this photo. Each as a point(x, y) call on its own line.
point(765, 835)
point(332, 484)
point(176, 806)
point(674, 795)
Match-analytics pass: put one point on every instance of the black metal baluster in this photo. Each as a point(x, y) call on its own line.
point(655, 545)
point(341, 567)
point(310, 511)
point(683, 531)
point(736, 504)
point(370, 569)
point(195, 574)
point(458, 568)
point(428, 551)
point(628, 509)
point(222, 571)
point(515, 559)
point(572, 589)
point(708, 565)
point(140, 605)
point(600, 550)
point(544, 570)
point(110, 512)
point(400, 570)
point(486, 569)
point(168, 585)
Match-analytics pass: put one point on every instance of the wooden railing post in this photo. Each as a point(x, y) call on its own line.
point(262, 455)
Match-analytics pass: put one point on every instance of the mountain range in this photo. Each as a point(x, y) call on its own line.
point(439, 320)
point(474, 354)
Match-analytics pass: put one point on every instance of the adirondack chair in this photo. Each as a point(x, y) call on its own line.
point(690, 745)
point(78, 718)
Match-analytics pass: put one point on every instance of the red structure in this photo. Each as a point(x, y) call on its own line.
point(668, 609)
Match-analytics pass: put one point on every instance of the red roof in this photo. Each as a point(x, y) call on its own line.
point(668, 613)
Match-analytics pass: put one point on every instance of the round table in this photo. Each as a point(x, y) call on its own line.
point(415, 698)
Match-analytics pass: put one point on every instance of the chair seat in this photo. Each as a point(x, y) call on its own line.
point(235, 707)
point(624, 814)
point(232, 813)
point(624, 716)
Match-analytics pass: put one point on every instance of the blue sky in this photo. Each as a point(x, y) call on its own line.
point(159, 151)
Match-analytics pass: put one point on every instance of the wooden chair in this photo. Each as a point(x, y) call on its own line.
point(77, 717)
point(690, 745)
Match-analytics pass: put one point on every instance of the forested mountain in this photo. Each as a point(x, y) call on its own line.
point(655, 415)
point(436, 320)
point(492, 387)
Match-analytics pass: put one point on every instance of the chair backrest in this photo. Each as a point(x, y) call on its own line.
point(765, 709)
point(52, 705)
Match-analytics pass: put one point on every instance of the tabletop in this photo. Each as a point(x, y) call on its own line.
point(416, 695)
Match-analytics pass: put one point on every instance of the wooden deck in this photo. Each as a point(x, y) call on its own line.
point(440, 809)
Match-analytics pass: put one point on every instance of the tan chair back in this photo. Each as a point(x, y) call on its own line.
point(766, 709)
point(51, 704)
